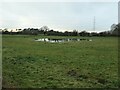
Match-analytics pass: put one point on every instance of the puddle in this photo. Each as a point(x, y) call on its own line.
point(61, 40)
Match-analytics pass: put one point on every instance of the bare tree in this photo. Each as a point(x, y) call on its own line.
point(45, 29)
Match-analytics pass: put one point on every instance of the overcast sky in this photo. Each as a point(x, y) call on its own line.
point(59, 15)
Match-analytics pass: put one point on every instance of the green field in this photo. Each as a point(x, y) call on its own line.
point(30, 64)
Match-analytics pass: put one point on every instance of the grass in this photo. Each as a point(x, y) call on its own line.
point(30, 64)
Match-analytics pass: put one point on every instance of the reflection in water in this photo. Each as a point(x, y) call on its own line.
point(61, 40)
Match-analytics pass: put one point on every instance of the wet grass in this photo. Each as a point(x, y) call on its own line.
point(31, 64)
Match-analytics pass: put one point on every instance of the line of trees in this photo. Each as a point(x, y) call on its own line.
point(46, 31)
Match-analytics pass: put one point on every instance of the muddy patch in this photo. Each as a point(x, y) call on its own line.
point(72, 73)
point(101, 80)
point(77, 75)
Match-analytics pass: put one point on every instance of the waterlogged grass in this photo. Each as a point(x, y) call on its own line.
point(83, 64)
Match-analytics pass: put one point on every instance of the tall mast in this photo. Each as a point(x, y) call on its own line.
point(94, 23)
point(119, 12)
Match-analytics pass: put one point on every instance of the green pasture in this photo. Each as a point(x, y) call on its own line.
point(30, 64)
